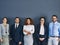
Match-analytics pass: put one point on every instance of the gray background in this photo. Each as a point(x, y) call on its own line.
point(29, 8)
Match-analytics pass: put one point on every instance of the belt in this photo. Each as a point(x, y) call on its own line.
point(54, 36)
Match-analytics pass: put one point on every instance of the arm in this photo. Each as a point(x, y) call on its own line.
point(24, 31)
point(21, 35)
point(33, 30)
point(8, 29)
point(47, 31)
point(0, 33)
point(59, 31)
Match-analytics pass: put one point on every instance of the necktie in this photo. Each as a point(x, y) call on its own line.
point(16, 26)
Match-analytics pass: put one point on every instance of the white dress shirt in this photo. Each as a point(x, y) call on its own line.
point(16, 25)
point(41, 30)
point(29, 28)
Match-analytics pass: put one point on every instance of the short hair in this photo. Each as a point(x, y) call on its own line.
point(17, 17)
point(31, 21)
point(3, 19)
point(54, 16)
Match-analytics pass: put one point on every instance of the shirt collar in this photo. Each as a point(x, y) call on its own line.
point(55, 22)
point(16, 24)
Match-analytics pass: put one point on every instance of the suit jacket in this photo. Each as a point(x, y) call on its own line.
point(4, 32)
point(45, 32)
point(16, 33)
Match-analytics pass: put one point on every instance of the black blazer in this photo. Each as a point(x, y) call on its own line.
point(45, 32)
point(16, 34)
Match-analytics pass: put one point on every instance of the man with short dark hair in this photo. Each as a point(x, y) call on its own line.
point(54, 30)
point(16, 32)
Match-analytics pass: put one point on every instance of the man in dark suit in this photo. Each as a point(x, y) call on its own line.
point(16, 32)
point(42, 32)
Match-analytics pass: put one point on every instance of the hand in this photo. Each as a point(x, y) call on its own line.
point(41, 39)
point(58, 39)
point(24, 31)
point(27, 32)
point(20, 43)
point(1, 40)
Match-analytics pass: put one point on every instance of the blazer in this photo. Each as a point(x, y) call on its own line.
point(45, 32)
point(4, 32)
point(16, 33)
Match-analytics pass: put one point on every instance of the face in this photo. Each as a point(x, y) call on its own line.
point(4, 20)
point(17, 20)
point(54, 19)
point(42, 21)
point(28, 21)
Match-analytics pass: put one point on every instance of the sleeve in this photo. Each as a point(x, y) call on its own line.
point(8, 30)
point(59, 31)
point(0, 32)
point(21, 34)
point(33, 29)
point(24, 28)
point(47, 31)
point(37, 31)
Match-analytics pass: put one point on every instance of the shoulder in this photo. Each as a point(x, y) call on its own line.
point(58, 23)
point(1, 25)
point(8, 24)
point(50, 23)
point(12, 25)
point(24, 25)
point(32, 25)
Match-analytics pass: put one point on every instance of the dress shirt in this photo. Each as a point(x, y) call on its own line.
point(41, 30)
point(56, 30)
point(16, 25)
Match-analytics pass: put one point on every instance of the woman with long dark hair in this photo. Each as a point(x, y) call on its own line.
point(42, 31)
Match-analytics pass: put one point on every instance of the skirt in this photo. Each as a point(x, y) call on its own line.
point(5, 40)
point(28, 40)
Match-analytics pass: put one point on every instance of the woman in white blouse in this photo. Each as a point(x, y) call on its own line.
point(28, 30)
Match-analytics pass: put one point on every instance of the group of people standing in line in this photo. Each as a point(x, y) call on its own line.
point(18, 34)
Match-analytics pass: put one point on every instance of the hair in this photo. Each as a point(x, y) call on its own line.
point(31, 21)
point(43, 18)
point(3, 19)
point(54, 16)
point(17, 17)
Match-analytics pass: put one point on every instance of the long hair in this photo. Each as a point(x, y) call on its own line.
point(44, 20)
point(31, 21)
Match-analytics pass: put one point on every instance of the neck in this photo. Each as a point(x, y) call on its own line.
point(54, 21)
point(41, 24)
point(4, 23)
point(17, 23)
